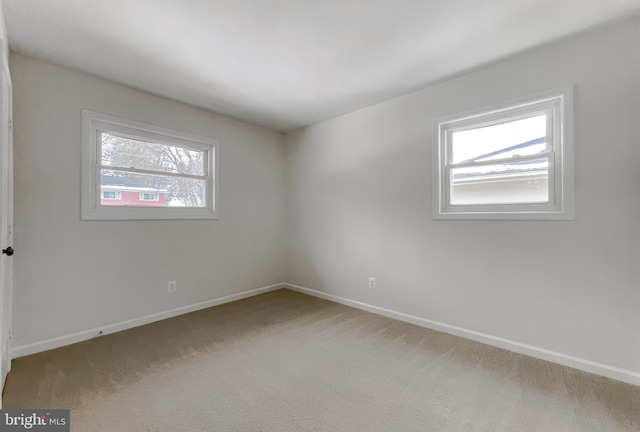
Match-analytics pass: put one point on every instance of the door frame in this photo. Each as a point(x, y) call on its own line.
point(6, 226)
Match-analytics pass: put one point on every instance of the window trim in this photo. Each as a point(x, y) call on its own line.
point(558, 103)
point(94, 123)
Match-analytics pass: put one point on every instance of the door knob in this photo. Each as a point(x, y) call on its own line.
point(8, 251)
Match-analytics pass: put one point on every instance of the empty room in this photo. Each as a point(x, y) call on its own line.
point(355, 215)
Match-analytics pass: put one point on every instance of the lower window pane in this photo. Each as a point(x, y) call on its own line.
point(513, 183)
point(144, 190)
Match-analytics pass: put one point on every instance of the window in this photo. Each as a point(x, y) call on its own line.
point(133, 170)
point(512, 161)
point(148, 196)
point(111, 195)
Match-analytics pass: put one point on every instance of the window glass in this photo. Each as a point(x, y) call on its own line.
point(133, 170)
point(120, 152)
point(511, 161)
point(514, 138)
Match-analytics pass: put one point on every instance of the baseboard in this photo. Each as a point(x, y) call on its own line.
point(602, 369)
point(57, 342)
point(605, 370)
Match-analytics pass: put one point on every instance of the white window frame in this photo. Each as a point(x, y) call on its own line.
point(117, 195)
point(94, 123)
point(557, 104)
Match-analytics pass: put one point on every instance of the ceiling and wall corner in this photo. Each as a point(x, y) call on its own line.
point(286, 64)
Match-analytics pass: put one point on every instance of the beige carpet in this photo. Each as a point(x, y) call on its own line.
point(284, 361)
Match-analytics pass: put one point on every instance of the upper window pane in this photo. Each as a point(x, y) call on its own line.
point(124, 152)
point(514, 138)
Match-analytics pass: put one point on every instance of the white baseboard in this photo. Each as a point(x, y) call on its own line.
point(57, 342)
point(616, 373)
point(602, 369)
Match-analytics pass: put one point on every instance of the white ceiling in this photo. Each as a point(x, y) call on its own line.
point(284, 64)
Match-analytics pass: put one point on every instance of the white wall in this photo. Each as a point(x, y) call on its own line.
point(3, 33)
point(359, 205)
point(73, 275)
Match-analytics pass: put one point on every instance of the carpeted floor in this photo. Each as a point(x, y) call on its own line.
point(284, 361)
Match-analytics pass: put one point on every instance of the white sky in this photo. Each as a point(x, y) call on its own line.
point(477, 142)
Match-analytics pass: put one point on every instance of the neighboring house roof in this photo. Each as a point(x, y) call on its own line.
point(513, 148)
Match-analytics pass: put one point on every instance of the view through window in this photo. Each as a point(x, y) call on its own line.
point(501, 164)
point(509, 161)
point(134, 170)
point(150, 174)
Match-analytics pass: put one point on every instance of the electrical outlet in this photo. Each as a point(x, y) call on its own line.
point(171, 286)
point(372, 282)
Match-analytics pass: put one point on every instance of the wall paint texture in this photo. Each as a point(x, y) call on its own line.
point(359, 205)
point(73, 275)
